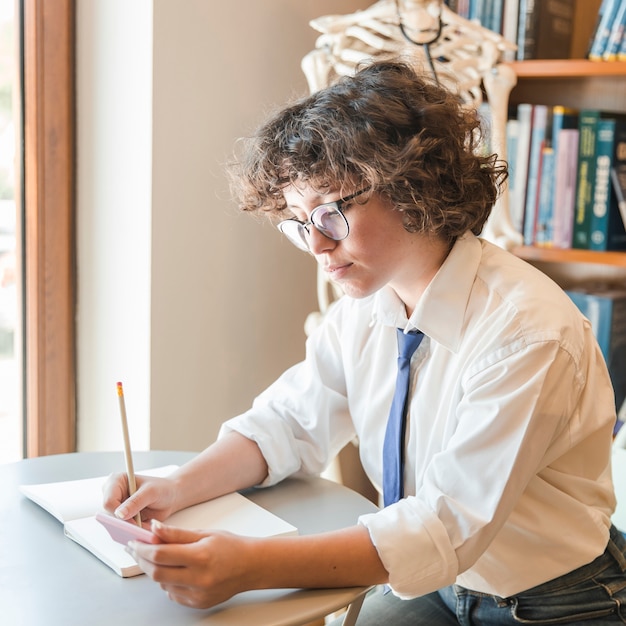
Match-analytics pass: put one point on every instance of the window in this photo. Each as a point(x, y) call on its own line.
point(11, 448)
point(44, 199)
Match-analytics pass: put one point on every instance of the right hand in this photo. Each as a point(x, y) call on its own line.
point(154, 498)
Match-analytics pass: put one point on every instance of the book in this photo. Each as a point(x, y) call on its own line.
point(517, 196)
point(618, 180)
point(587, 125)
point(509, 26)
point(605, 307)
point(476, 10)
point(561, 118)
point(493, 15)
point(545, 29)
point(606, 226)
point(526, 30)
point(539, 127)
point(555, 29)
point(602, 32)
point(512, 138)
point(75, 504)
point(614, 41)
point(621, 55)
point(565, 187)
point(544, 230)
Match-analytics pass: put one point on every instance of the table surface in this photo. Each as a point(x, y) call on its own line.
point(47, 579)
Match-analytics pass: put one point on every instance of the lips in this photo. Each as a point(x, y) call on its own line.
point(337, 271)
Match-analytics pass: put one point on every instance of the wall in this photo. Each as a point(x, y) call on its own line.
point(194, 307)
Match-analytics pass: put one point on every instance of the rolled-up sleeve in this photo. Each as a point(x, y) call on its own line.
point(409, 526)
point(301, 421)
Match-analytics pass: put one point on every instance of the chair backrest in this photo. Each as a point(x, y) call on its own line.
point(619, 478)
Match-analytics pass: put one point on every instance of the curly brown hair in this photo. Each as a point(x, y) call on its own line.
point(387, 129)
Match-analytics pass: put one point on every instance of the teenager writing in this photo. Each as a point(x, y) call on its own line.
point(503, 511)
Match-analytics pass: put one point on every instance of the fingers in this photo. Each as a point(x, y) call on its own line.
point(195, 568)
point(131, 506)
point(180, 548)
point(114, 491)
point(116, 498)
point(173, 534)
point(171, 564)
point(194, 597)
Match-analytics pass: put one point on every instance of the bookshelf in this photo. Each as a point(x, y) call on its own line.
point(556, 255)
point(576, 83)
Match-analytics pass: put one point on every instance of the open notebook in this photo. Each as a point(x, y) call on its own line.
point(75, 504)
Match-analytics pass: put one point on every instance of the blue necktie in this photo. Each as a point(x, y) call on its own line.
point(393, 446)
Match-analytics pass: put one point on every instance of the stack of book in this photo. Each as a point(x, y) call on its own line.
point(568, 177)
point(607, 42)
point(540, 29)
point(605, 307)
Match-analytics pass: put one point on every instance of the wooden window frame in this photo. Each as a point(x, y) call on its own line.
point(48, 238)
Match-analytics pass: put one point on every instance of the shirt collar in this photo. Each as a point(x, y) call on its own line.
point(440, 311)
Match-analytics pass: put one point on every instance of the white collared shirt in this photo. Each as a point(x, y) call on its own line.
point(507, 476)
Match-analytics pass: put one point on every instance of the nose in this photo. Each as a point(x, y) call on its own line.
point(318, 242)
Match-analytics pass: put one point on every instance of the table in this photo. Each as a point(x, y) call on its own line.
point(47, 580)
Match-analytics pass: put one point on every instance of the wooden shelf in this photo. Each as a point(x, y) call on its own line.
point(557, 255)
point(574, 83)
point(568, 68)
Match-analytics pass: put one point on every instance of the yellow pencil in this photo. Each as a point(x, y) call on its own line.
point(128, 456)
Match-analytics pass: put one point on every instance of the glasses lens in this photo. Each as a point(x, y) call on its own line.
point(330, 221)
point(295, 232)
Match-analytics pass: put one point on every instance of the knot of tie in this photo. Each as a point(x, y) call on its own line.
point(408, 343)
point(393, 446)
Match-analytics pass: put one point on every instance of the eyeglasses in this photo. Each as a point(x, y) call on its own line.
point(327, 218)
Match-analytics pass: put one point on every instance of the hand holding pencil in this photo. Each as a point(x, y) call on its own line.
point(130, 470)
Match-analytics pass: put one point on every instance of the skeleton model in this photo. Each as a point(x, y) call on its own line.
point(460, 54)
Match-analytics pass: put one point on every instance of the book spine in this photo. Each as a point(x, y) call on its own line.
point(554, 30)
point(621, 55)
point(538, 134)
point(495, 19)
point(518, 199)
point(512, 141)
point(565, 187)
point(587, 123)
point(509, 26)
point(462, 8)
point(608, 9)
point(526, 30)
point(599, 225)
point(606, 310)
point(618, 171)
point(617, 30)
point(544, 224)
point(617, 351)
point(617, 205)
point(597, 310)
point(476, 10)
point(620, 193)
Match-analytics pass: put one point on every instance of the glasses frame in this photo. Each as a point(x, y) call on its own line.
point(305, 227)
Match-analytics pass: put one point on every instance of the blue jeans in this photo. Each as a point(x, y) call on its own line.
point(593, 594)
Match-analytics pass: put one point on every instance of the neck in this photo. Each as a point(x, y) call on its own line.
point(432, 252)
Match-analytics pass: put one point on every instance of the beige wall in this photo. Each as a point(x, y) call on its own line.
point(193, 306)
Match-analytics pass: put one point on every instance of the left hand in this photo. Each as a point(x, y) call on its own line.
point(195, 568)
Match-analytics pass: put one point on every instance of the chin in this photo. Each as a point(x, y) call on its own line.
point(357, 291)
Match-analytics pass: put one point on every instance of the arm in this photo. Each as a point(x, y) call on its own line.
point(231, 463)
point(202, 569)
